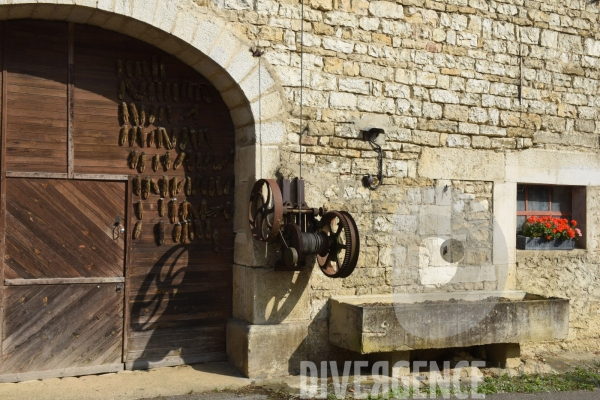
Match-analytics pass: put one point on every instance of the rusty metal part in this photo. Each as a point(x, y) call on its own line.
point(174, 136)
point(203, 186)
point(265, 210)
point(176, 233)
point(120, 73)
point(154, 185)
point(184, 232)
point(219, 184)
point(123, 135)
point(176, 92)
point(146, 69)
point(161, 207)
point(190, 162)
point(133, 159)
point(165, 137)
point(184, 138)
point(167, 94)
point(129, 68)
point(228, 186)
point(139, 210)
point(141, 165)
point(143, 90)
point(124, 113)
point(150, 137)
point(179, 160)
point(188, 187)
point(198, 162)
point(343, 248)
point(167, 161)
point(179, 186)
point(355, 245)
point(211, 186)
point(137, 230)
point(208, 231)
point(207, 160)
point(173, 186)
point(228, 210)
point(184, 209)
point(137, 71)
point(136, 183)
point(159, 94)
point(191, 231)
point(152, 112)
point(121, 90)
point(134, 114)
point(173, 210)
point(207, 137)
point(194, 139)
point(169, 113)
point(143, 115)
point(132, 135)
point(164, 186)
point(151, 91)
point(155, 76)
point(146, 187)
point(140, 136)
point(203, 209)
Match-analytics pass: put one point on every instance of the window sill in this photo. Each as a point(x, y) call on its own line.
point(523, 254)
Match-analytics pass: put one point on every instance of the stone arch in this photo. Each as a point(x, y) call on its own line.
point(199, 38)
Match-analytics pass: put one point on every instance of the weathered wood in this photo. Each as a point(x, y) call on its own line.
point(128, 245)
point(50, 327)
point(3, 122)
point(63, 229)
point(63, 372)
point(37, 51)
point(70, 97)
point(101, 177)
point(61, 281)
point(62, 125)
point(46, 175)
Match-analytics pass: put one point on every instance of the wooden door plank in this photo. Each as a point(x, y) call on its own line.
point(59, 225)
point(61, 281)
point(66, 326)
point(79, 235)
point(3, 132)
point(70, 101)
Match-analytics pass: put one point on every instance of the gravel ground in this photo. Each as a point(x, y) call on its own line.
point(258, 393)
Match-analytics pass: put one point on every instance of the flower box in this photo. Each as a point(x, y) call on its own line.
point(538, 243)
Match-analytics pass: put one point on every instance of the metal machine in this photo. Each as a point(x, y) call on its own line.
point(304, 231)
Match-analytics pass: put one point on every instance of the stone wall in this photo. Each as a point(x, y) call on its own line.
point(443, 78)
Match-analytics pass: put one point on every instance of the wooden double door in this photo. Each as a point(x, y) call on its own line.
point(77, 295)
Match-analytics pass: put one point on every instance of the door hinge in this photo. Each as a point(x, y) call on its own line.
point(119, 287)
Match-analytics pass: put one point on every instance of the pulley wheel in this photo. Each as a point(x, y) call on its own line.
point(355, 247)
point(265, 210)
point(343, 245)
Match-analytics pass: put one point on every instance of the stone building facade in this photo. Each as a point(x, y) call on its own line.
point(474, 95)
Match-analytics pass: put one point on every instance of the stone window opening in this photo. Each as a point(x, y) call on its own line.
point(560, 201)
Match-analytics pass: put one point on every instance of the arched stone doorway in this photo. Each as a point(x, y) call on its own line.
point(230, 86)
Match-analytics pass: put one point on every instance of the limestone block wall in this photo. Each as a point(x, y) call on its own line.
point(462, 87)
